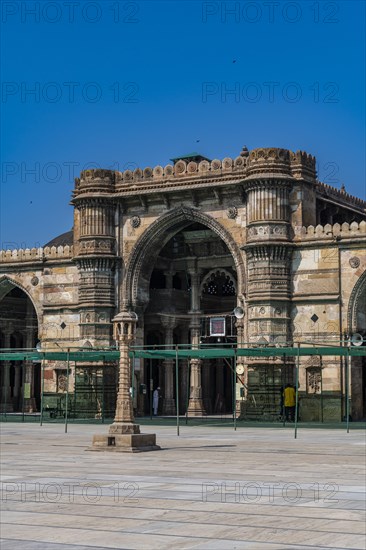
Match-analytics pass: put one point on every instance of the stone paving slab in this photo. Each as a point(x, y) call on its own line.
point(212, 488)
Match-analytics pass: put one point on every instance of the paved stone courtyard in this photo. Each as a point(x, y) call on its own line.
point(211, 488)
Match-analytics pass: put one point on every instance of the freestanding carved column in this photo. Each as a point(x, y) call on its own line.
point(195, 404)
point(124, 434)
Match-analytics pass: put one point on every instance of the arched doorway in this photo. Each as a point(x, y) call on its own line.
point(357, 324)
point(185, 271)
point(20, 380)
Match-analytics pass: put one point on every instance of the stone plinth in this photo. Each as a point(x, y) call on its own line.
point(125, 437)
point(195, 407)
point(125, 443)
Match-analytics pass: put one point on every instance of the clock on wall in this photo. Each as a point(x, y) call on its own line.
point(240, 369)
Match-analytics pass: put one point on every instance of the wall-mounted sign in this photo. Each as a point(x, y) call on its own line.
point(217, 326)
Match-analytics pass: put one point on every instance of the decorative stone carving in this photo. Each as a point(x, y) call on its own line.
point(127, 175)
point(216, 164)
point(313, 380)
point(180, 168)
point(61, 382)
point(135, 221)
point(148, 172)
point(227, 163)
point(239, 162)
point(354, 262)
point(204, 166)
point(232, 212)
point(169, 170)
point(34, 281)
point(158, 172)
point(192, 167)
point(267, 231)
point(137, 174)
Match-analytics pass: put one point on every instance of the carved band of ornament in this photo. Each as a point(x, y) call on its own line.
point(135, 221)
point(252, 184)
point(97, 173)
point(95, 264)
point(355, 262)
point(264, 230)
point(105, 245)
point(267, 252)
point(91, 202)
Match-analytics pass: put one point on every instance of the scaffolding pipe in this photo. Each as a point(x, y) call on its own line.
point(297, 388)
point(177, 388)
point(347, 387)
point(67, 389)
point(42, 392)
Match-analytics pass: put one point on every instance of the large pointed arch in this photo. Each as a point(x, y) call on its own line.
point(8, 283)
point(135, 286)
point(359, 291)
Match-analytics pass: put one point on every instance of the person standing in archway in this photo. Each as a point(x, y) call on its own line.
point(156, 397)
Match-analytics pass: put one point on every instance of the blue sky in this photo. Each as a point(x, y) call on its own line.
point(121, 84)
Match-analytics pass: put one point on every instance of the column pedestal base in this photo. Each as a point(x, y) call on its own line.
point(124, 438)
point(30, 404)
point(7, 407)
point(196, 408)
point(169, 407)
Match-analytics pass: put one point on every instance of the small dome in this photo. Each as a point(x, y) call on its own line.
point(62, 240)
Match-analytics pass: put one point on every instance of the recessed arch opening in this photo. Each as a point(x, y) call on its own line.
point(19, 328)
point(357, 324)
point(183, 253)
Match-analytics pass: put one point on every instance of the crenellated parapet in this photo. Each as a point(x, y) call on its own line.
point(303, 166)
point(327, 191)
point(36, 254)
point(258, 162)
point(267, 171)
point(331, 232)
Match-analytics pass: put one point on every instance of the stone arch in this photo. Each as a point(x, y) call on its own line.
point(354, 302)
point(158, 234)
point(8, 283)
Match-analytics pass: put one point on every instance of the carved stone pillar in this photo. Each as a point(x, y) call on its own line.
point(124, 333)
point(269, 185)
point(206, 379)
point(169, 279)
point(195, 404)
point(124, 434)
point(169, 407)
point(17, 384)
point(28, 389)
